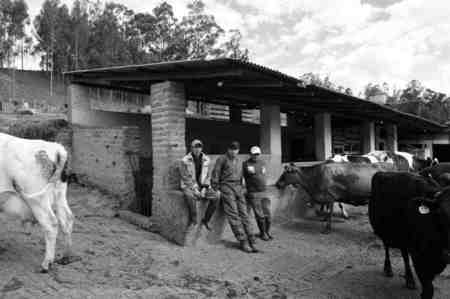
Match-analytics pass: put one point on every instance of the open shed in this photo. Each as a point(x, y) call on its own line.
point(155, 98)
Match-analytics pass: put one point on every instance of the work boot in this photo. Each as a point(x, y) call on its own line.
point(252, 243)
point(262, 229)
point(210, 209)
point(268, 223)
point(245, 247)
point(193, 218)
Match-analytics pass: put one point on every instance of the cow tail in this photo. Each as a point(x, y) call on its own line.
point(60, 173)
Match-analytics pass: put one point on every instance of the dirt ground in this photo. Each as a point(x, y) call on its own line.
point(122, 261)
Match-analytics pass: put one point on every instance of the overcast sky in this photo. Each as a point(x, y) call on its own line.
point(352, 41)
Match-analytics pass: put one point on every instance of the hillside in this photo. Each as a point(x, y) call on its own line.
point(31, 87)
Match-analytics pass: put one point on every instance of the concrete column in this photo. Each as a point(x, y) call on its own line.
point(391, 138)
point(291, 130)
point(322, 132)
point(270, 134)
point(80, 112)
point(270, 140)
point(235, 114)
point(429, 149)
point(368, 137)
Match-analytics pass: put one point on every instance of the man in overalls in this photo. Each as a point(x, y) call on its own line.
point(255, 182)
point(227, 179)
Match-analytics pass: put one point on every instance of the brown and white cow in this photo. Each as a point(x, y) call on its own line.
point(328, 183)
point(33, 187)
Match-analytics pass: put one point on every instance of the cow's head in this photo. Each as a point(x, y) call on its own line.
point(420, 164)
point(290, 176)
point(439, 206)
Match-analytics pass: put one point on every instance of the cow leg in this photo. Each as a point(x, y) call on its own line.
point(427, 289)
point(344, 212)
point(387, 262)
point(410, 284)
point(65, 220)
point(49, 224)
point(327, 228)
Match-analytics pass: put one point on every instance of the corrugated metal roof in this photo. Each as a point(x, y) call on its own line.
point(171, 68)
point(193, 63)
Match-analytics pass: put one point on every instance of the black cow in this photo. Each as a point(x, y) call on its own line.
point(419, 164)
point(409, 212)
point(440, 172)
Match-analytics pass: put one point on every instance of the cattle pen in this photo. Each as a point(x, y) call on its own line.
point(133, 123)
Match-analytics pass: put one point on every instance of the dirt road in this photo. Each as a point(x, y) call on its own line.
point(121, 261)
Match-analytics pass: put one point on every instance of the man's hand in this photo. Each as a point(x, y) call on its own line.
point(197, 193)
point(203, 193)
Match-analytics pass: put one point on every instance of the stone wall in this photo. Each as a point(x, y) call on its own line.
point(100, 156)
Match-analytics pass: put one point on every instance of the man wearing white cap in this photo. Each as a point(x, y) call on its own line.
point(255, 181)
point(195, 178)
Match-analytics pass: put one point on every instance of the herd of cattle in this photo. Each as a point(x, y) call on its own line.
point(409, 204)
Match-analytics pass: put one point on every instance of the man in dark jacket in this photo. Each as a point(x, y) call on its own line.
point(255, 181)
point(227, 179)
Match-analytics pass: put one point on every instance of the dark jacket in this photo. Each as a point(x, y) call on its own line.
point(226, 171)
point(255, 175)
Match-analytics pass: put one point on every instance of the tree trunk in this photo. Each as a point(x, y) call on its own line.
point(21, 54)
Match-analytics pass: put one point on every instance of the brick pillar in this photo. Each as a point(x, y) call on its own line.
point(391, 138)
point(368, 137)
point(168, 146)
point(322, 132)
point(235, 114)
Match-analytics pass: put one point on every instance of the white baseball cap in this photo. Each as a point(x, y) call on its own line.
point(255, 150)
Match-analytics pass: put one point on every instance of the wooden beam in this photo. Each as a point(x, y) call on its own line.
point(110, 87)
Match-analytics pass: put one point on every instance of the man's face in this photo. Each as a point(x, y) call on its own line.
point(233, 152)
point(197, 150)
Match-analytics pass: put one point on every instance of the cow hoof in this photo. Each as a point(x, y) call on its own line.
point(65, 260)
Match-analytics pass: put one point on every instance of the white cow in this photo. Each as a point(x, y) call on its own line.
point(33, 188)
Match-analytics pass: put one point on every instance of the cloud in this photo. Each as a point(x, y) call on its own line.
point(357, 43)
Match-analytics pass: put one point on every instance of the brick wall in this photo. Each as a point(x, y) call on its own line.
point(100, 157)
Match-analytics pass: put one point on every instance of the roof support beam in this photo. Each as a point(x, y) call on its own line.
point(122, 76)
